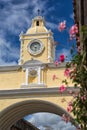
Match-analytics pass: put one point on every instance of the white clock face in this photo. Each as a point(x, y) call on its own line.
point(35, 47)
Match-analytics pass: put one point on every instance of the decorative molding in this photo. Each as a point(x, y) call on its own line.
point(43, 37)
point(20, 61)
point(18, 93)
point(33, 85)
point(39, 75)
point(60, 65)
point(50, 58)
point(41, 33)
point(10, 68)
point(32, 72)
point(54, 52)
point(18, 67)
point(27, 82)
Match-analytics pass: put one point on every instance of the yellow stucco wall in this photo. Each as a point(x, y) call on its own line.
point(14, 79)
point(11, 80)
point(4, 103)
point(59, 72)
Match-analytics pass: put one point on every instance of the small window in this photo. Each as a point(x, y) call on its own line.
point(37, 23)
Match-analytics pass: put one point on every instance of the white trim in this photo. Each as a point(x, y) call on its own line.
point(32, 72)
point(45, 28)
point(49, 50)
point(54, 52)
point(33, 85)
point(41, 33)
point(39, 75)
point(38, 69)
point(20, 61)
point(38, 37)
point(27, 76)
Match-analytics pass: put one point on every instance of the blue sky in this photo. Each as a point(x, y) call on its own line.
point(16, 16)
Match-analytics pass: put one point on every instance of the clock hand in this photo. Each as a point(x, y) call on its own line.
point(35, 48)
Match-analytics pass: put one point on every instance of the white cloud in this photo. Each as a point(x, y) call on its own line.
point(7, 52)
point(51, 25)
point(3, 63)
point(72, 16)
point(48, 120)
point(15, 16)
point(5, 0)
point(37, 4)
point(13, 19)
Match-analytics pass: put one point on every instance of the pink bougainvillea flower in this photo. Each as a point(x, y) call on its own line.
point(67, 72)
point(62, 58)
point(83, 98)
point(70, 103)
point(76, 94)
point(78, 39)
point(56, 62)
point(69, 108)
point(73, 31)
point(62, 88)
point(54, 77)
point(62, 26)
point(65, 118)
point(79, 49)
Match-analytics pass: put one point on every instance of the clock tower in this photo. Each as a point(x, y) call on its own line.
point(37, 43)
point(33, 85)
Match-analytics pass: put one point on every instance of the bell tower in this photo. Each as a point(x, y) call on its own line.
point(37, 43)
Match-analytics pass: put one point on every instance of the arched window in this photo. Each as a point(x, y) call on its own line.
point(37, 23)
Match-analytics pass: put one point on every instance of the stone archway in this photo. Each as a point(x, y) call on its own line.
point(18, 110)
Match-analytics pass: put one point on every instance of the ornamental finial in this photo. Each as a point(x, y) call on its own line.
point(38, 12)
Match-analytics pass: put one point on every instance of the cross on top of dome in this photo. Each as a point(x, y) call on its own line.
point(38, 12)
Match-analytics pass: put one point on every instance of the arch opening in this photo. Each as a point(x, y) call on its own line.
point(17, 111)
point(45, 120)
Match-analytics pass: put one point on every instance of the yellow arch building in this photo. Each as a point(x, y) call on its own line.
point(28, 87)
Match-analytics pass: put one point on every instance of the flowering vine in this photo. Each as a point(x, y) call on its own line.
point(76, 70)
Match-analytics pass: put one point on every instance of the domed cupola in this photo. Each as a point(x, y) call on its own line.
point(38, 26)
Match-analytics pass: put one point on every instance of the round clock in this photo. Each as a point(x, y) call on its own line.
point(35, 47)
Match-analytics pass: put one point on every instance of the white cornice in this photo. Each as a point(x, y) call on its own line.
point(18, 93)
point(33, 34)
point(9, 68)
point(43, 37)
point(17, 67)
